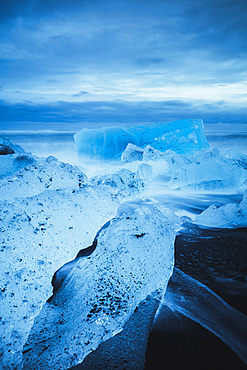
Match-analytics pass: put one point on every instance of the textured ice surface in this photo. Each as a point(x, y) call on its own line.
point(11, 163)
point(12, 158)
point(228, 216)
point(48, 212)
point(135, 153)
point(7, 147)
point(185, 136)
point(196, 301)
point(44, 173)
point(132, 153)
point(207, 170)
point(124, 181)
point(39, 234)
point(237, 157)
point(134, 257)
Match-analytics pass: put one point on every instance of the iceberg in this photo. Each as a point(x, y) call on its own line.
point(230, 215)
point(133, 258)
point(184, 136)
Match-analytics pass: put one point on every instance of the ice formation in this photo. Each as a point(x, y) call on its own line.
point(41, 233)
point(196, 301)
point(230, 215)
point(49, 211)
point(7, 147)
point(185, 136)
point(44, 173)
point(132, 153)
point(134, 257)
point(124, 181)
point(206, 170)
point(12, 158)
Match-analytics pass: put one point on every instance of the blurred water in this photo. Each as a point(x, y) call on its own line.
point(227, 136)
point(59, 144)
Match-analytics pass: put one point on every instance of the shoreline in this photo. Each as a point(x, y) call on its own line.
point(218, 259)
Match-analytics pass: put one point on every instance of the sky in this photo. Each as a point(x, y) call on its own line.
point(65, 62)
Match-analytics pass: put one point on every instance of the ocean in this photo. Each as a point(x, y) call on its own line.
point(61, 145)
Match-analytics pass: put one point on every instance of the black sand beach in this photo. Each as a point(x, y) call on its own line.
point(218, 259)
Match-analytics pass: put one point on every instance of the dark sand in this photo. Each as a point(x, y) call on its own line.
point(218, 259)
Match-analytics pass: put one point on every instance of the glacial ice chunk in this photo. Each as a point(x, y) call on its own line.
point(132, 153)
point(134, 257)
point(135, 153)
point(40, 233)
point(43, 174)
point(184, 136)
point(9, 164)
point(7, 147)
point(12, 157)
point(206, 170)
point(230, 215)
point(125, 182)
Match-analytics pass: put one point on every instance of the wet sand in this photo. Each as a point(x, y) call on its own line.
point(218, 259)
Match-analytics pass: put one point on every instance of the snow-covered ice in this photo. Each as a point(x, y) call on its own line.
point(44, 173)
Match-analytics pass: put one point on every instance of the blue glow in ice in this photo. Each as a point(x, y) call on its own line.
point(184, 137)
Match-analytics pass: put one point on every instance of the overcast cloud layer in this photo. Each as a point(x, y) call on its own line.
point(138, 60)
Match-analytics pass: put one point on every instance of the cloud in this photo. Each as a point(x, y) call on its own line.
point(133, 50)
point(89, 114)
point(81, 93)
